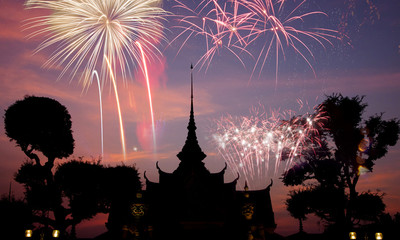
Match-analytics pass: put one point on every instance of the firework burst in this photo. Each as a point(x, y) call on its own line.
point(279, 30)
point(262, 144)
point(235, 24)
point(221, 26)
point(83, 31)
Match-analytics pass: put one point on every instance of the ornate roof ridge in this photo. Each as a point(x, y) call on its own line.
point(220, 172)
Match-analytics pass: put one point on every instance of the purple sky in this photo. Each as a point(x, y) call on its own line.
point(367, 63)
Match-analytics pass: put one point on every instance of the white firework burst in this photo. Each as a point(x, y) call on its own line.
point(83, 32)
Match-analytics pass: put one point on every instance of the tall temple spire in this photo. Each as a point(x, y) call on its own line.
point(191, 92)
point(191, 151)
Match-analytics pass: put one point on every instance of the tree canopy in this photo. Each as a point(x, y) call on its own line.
point(80, 189)
point(40, 124)
point(77, 189)
point(348, 147)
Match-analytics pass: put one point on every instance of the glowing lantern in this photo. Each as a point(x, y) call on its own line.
point(56, 233)
point(28, 233)
point(353, 235)
point(378, 236)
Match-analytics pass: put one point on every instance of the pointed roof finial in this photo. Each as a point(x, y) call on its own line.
point(191, 149)
point(191, 88)
point(246, 190)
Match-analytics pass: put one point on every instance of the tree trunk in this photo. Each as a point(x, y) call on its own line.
point(73, 231)
point(300, 225)
point(59, 211)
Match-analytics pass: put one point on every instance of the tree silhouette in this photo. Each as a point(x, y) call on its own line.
point(40, 124)
point(80, 190)
point(349, 146)
point(298, 206)
point(76, 190)
point(368, 206)
point(80, 182)
point(41, 196)
point(120, 186)
point(15, 218)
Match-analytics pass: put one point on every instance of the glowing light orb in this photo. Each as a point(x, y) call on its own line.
point(56, 234)
point(362, 170)
point(378, 236)
point(28, 233)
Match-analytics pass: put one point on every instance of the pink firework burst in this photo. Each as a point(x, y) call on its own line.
point(262, 145)
point(234, 24)
point(221, 26)
point(279, 31)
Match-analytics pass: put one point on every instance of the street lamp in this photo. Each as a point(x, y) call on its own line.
point(352, 235)
point(378, 236)
point(28, 233)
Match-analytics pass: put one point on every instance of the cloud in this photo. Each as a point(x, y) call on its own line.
point(20, 81)
point(92, 228)
point(136, 157)
point(11, 16)
point(363, 82)
point(13, 20)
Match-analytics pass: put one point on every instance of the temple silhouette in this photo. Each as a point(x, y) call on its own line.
point(192, 203)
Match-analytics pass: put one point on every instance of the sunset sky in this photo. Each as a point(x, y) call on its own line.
point(366, 62)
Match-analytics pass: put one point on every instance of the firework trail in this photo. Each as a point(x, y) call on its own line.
point(121, 126)
point(101, 109)
point(148, 92)
point(261, 144)
point(81, 31)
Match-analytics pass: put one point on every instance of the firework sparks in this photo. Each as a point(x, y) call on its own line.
point(84, 30)
point(369, 14)
point(256, 146)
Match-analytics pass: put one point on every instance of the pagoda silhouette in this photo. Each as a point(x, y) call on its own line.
point(192, 204)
